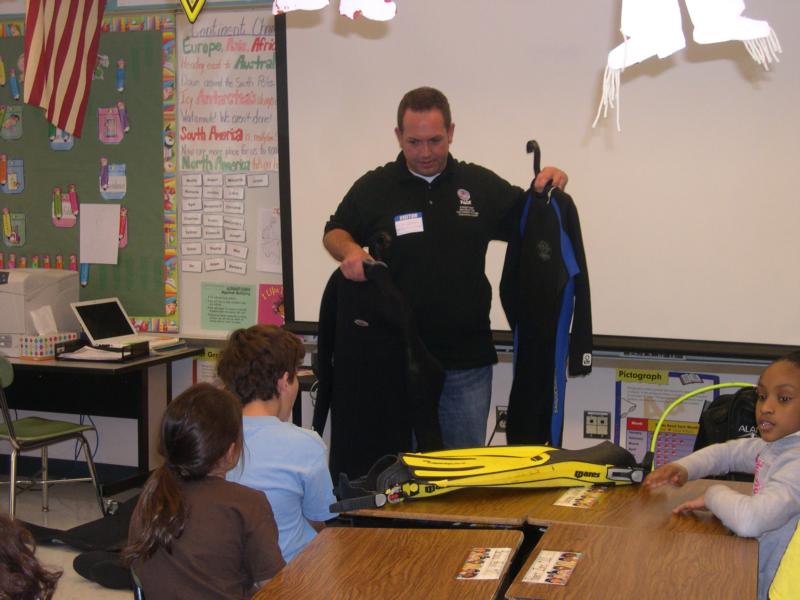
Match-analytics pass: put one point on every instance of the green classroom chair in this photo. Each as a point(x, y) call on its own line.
point(36, 433)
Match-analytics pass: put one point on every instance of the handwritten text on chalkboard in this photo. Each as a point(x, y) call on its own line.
point(227, 100)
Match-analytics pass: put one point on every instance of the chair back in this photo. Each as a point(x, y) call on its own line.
point(6, 379)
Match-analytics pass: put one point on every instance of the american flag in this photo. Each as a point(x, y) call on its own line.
point(61, 40)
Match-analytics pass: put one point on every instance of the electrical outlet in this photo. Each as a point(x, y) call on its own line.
point(500, 418)
point(596, 424)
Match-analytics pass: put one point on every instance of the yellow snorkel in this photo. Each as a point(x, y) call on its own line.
point(648, 462)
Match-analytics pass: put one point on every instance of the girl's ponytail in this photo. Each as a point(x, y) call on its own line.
point(198, 429)
point(161, 515)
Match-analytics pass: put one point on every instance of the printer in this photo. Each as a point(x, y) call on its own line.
point(25, 290)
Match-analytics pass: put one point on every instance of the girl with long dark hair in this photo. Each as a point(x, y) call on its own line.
point(193, 534)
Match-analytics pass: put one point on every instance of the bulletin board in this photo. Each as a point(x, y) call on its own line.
point(229, 211)
point(50, 165)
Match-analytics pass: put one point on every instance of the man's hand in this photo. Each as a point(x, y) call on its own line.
point(550, 175)
point(352, 257)
point(353, 264)
point(698, 503)
point(671, 473)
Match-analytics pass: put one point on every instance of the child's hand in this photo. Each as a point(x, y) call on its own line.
point(671, 473)
point(690, 505)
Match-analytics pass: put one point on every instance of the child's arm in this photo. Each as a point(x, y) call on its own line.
point(671, 473)
point(698, 503)
point(750, 516)
point(721, 459)
point(318, 490)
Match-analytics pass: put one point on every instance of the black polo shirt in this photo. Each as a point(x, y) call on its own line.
point(440, 232)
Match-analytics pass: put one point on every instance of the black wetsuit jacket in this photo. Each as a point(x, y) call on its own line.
point(375, 374)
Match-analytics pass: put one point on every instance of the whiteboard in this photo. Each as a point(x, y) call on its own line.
point(689, 214)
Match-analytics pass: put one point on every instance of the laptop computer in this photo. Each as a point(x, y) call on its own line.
point(106, 323)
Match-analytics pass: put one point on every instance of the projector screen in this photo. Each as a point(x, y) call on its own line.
point(689, 214)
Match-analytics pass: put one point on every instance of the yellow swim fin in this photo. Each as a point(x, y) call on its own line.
point(423, 474)
point(519, 467)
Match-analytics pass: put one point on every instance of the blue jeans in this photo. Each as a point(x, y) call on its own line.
point(464, 406)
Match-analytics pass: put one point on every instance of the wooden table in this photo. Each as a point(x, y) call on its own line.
point(622, 506)
point(360, 563)
point(508, 507)
point(620, 563)
point(635, 507)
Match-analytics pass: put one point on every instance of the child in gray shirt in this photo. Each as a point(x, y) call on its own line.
point(771, 513)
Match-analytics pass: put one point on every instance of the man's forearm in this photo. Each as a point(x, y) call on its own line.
point(341, 246)
point(339, 243)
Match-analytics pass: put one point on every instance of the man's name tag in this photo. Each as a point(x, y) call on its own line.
point(408, 223)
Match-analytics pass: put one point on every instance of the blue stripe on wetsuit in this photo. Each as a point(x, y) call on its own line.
point(562, 330)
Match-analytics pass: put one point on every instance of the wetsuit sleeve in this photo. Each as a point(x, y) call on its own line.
point(325, 345)
point(509, 281)
point(580, 345)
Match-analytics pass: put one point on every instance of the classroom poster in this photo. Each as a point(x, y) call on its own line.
point(642, 396)
point(228, 307)
point(269, 242)
point(205, 367)
point(270, 304)
point(228, 156)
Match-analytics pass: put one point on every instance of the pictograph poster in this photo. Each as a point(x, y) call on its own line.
point(642, 396)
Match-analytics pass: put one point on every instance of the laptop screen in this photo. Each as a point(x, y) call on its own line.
point(104, 319)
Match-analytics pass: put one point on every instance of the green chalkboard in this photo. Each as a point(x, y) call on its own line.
point(138, 278)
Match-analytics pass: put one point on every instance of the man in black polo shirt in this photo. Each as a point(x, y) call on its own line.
point(441, 214)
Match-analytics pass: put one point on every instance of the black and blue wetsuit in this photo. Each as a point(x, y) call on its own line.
point(545, 294)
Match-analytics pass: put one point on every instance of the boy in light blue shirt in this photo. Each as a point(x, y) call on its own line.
point(286, 462)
